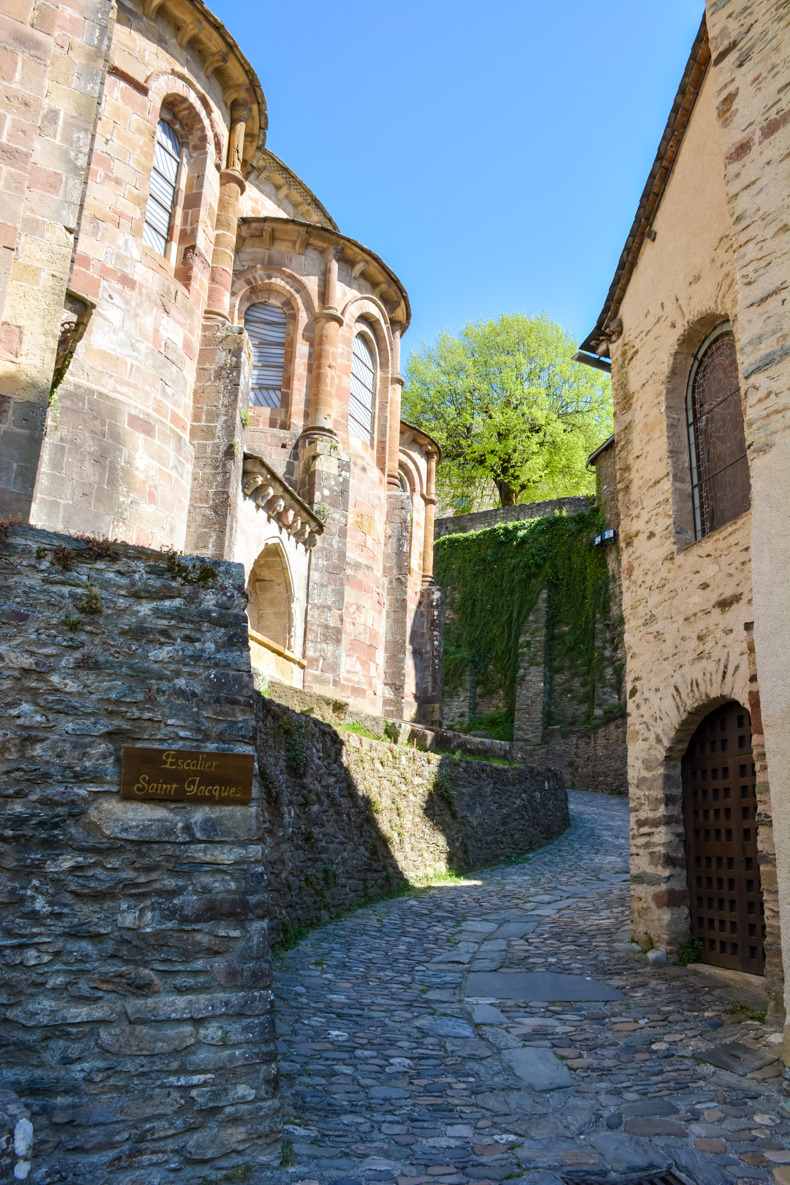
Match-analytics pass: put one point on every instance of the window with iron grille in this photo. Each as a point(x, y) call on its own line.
point(363, 389)
point(162, 193)
point(266, 324)
point(720, 486)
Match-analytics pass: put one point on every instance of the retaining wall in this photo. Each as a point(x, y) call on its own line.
point(349, 818)
point(455, 524)
point(137, 1012)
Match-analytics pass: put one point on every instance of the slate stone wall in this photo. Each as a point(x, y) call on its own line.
point(596, 760)
point(137, 1014)
point(348, 818)
point(455, 524)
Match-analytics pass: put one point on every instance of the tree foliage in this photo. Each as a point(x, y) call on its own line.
point(509, 407)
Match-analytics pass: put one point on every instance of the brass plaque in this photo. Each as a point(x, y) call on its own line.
point(187, 775)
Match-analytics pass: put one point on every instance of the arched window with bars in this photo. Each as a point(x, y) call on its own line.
point(363, 389)
point(266, 325)
point(720, 487)
point(157, 226)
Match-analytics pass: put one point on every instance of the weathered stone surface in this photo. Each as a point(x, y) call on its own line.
point(346, 818)
point(539, 1068)
point(538, 985)
point(136, 949)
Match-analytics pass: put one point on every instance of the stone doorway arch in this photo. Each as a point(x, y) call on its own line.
point(722, 859)
point(270, 589)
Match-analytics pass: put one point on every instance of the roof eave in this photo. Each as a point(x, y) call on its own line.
point(596, 342)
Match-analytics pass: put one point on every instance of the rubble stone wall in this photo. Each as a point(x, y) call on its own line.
point(349, 818)
point(750, 47)
point(137, 1019)
point(453, 524)
point(686, 601)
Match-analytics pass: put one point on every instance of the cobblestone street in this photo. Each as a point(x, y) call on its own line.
point(404, 1061)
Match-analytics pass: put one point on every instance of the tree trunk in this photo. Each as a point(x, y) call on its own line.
point(507, 495)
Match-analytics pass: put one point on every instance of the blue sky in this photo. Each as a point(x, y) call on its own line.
point(492, 153)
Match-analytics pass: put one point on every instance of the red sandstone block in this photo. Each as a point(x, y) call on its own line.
point(71, 22)
point(9, 61)
point(45, 18)
point(14, 158)
point(8, 235)
point(45, 180)
point(10, 340)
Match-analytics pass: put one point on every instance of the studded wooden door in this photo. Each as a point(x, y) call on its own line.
point(719, 807)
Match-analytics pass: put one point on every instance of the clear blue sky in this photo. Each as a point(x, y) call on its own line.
point(493, 154)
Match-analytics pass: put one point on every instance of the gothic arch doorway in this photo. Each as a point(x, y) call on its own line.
point(271, 597)
point(719, 811)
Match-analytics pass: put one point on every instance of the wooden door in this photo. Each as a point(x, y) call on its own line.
point(720, 807)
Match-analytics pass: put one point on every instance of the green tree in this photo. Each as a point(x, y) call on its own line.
point(509, 407)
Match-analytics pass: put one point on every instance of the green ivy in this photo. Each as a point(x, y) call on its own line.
point(492, 580)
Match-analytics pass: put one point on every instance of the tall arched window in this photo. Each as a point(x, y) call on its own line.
point(164, 184)
point(363, 389)
point(266, 324)
point(717, 444)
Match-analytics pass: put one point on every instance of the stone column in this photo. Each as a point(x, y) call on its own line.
point(430, 513)
point(393, 428)
point(750, 45)
point(222, 381)
point(321, 413)
point(231, 188)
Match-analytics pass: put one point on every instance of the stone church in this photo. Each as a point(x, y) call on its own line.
point(697, 333)
point(194, 357)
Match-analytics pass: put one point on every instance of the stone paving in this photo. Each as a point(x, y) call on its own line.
point(393, 1072)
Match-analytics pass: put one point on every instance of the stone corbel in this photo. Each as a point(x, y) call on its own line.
point(73, 322)
point(214, 61)
point(188, 31)
point(272, 494)
point(250, 483)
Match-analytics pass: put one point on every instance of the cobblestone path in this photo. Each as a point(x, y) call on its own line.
point(393, 1073)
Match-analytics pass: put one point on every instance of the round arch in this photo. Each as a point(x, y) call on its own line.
point(193, 110)
point(676, 385)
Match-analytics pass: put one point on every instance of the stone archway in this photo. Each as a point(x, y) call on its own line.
point(722, 858)
point(270, 591)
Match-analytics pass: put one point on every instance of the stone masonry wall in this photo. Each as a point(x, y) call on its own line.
point(686, 601)
point(349, 818)
point(595, 760)
point(750, 47)
point(137, 1012)
point(454, 524)
point(53, 67)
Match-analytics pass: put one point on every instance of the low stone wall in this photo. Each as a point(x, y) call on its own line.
point(596, 760)
point(455, 524)
point(349, 819)
point(137, 1013)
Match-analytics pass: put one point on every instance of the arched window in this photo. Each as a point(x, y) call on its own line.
point(717, 445)
point(363, 389)
point(266, 323)
point(164, 185)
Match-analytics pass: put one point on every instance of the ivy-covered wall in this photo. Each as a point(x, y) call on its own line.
point(493, 580)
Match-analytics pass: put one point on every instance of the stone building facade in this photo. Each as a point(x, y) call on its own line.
point(192, 356)
point(696, 328)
